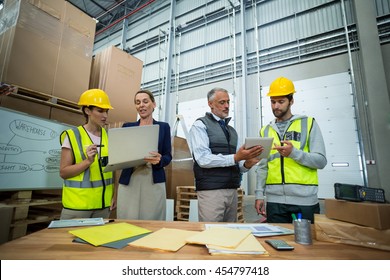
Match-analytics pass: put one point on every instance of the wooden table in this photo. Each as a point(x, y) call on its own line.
point(51, 244)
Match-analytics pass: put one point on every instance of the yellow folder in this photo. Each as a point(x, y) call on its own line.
point(99, 235)
point(220, 236)
point(249, 246)
point(166, 239)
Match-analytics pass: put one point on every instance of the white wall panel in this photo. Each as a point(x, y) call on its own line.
point(303, 5)
point(317, 21)
point(382, 7)
point(272, 10)
point(193, 59)
point(220, 51)
point(192, 40)
point(191, 110)
point(151, 72)
point(219, 29)
point(197, 8)
point(195, 104)
point(200, 37)
point(184, 6)
point(152, 54)
point(148, 27)
point(277, 34)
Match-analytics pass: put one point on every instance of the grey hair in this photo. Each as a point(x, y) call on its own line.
point(211, 93)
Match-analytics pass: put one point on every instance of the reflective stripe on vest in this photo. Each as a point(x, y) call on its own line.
point(87, 191)
point(284, 170)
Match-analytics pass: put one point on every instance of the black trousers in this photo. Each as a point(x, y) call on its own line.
point(281, 213)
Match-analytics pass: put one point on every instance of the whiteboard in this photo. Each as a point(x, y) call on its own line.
point(30, 152)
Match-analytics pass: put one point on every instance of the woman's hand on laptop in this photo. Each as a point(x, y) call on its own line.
point(154, 158)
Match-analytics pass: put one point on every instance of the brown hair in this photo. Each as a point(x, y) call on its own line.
point(148, 92)
point(84, 113)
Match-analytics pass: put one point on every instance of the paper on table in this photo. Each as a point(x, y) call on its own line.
point(108, 233)
point(164, 239)
point(220, 236)
point(76, 222)
point(249, 245)
point(259, 230)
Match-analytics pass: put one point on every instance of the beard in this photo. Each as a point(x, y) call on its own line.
point(279, 114)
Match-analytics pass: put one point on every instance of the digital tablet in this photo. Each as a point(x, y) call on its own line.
point(265, 142)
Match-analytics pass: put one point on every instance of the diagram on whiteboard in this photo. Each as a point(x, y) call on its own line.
point(29, 152)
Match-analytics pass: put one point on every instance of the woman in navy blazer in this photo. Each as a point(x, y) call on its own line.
point(141, 194)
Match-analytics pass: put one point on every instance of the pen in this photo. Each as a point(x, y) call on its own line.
point(299, 216)
point(98, 146)
point(293, 217)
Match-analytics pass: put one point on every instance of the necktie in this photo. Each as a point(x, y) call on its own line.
point(224, 128)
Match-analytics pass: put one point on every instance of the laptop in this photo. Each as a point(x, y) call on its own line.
point(127, 146)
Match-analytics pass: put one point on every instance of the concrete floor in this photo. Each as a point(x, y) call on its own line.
point(250, 215)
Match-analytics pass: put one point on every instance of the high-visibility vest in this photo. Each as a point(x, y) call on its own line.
point(284, 170)
point(93, 188)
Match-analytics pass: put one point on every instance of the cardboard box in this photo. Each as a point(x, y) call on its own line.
point(25, 106)
point(376, 215)
point(75, 54)
point(347, 233)
point(46, 46)
point(180, 171)
point(30, 43)
point(64, 116)
point(119, 75)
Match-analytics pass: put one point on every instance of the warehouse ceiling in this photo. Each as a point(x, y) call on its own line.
point(109, 14)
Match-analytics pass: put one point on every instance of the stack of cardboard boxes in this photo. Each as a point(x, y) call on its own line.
point(364, 224)
point(45, 47)
point(46, 50)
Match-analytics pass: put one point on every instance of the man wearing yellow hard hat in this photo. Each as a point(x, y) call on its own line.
point(288, 178)
point(87, 190)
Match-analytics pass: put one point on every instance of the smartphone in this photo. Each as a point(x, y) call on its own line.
point(279, 244)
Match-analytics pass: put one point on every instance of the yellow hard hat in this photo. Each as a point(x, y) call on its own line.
point(281, 87)
point(95, 97)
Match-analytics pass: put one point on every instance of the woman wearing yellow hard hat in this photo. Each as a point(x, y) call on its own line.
point(87, 190)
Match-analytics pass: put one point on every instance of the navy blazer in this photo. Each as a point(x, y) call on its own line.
point(164, 148)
